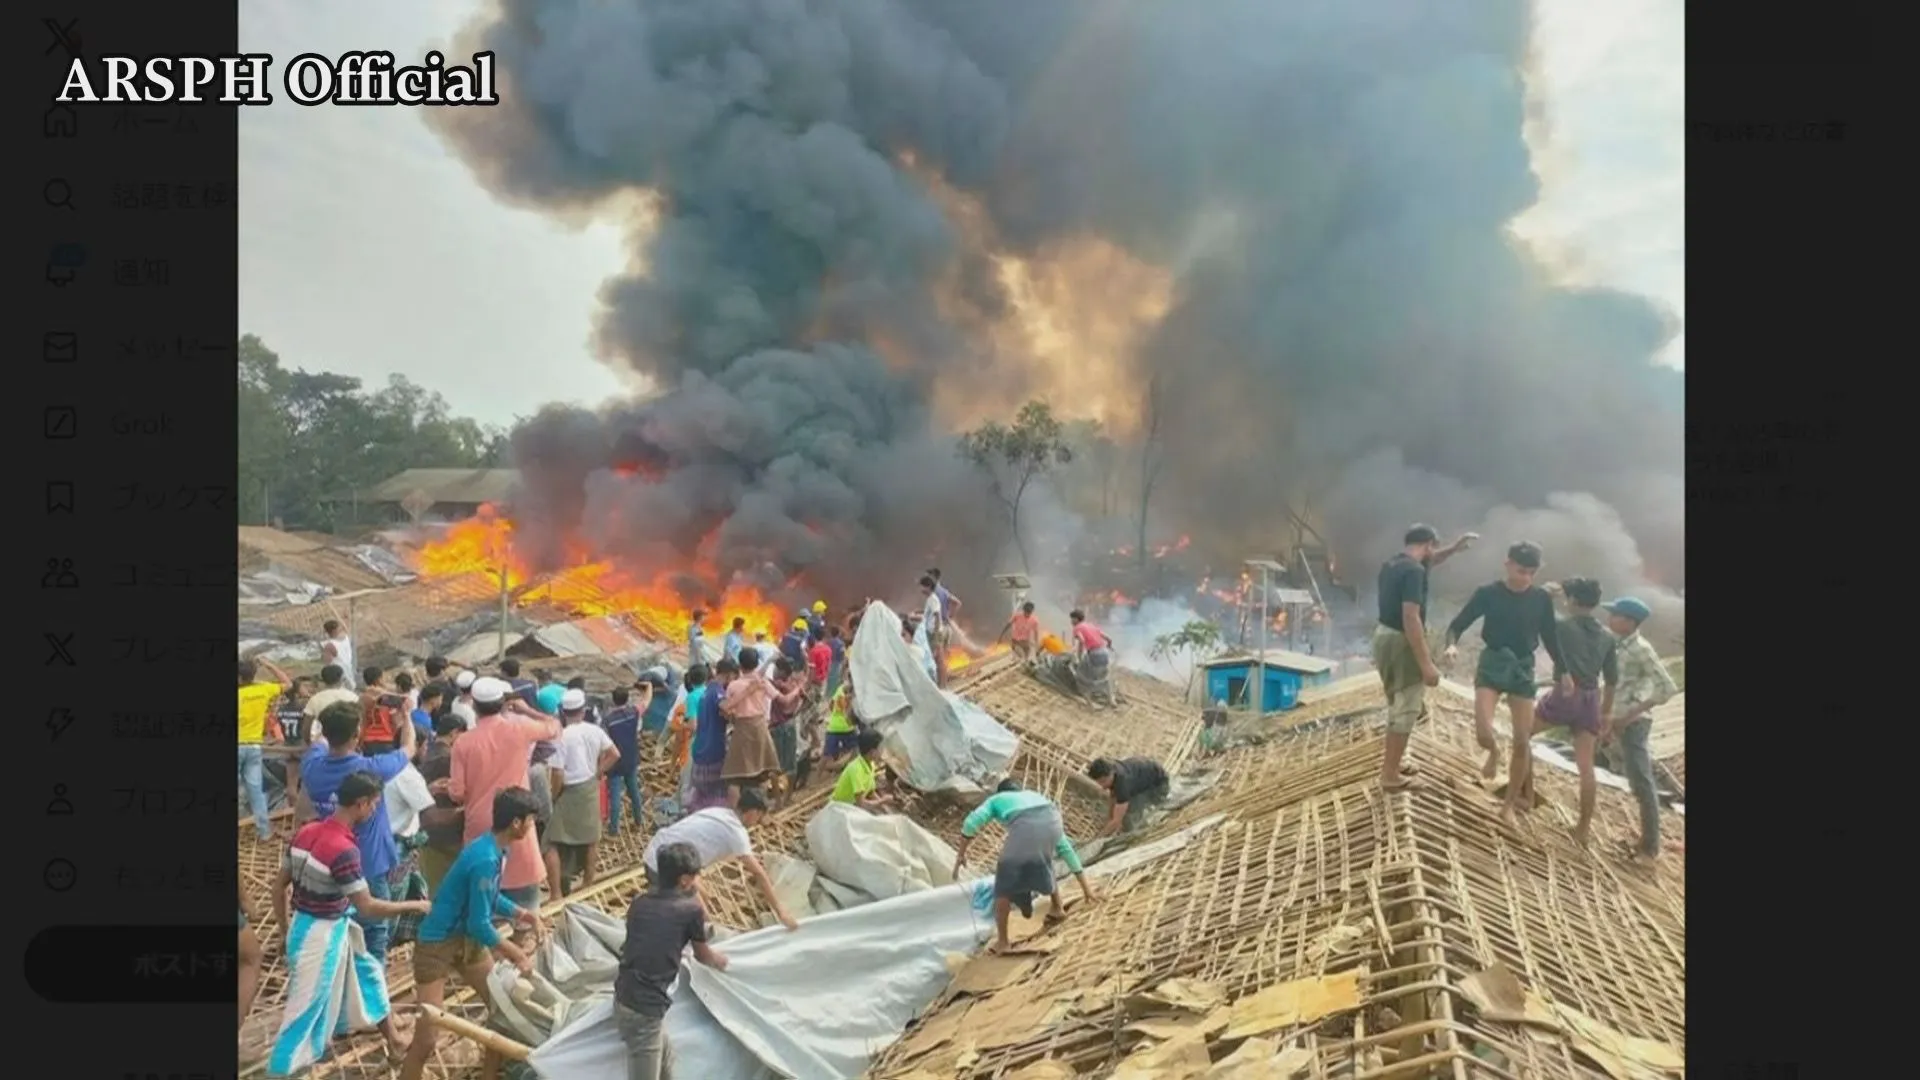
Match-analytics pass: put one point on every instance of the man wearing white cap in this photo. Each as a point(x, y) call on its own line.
point(490, 759)
point(584, 754)
point(462, 703)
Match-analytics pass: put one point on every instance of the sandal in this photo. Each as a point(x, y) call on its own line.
point(1406, 783)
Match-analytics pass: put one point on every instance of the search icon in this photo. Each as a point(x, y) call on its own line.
point(59, 194)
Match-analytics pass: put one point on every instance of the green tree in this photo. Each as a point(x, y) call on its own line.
point(1015, 455)
point(306, 438)
point(1196, 641)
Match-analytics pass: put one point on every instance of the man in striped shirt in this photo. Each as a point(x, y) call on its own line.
point(321, 881)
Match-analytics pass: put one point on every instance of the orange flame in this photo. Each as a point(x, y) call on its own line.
point(957, 661)
point(483, 544)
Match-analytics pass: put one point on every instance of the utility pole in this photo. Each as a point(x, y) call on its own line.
point(1267, 567)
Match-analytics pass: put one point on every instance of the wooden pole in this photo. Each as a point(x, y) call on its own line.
point(501, 653)
point(486, 1038)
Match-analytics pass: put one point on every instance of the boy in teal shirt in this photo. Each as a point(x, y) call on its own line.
point(1035, 834)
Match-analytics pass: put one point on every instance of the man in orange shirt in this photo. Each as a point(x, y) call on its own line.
point(1025, 630)
point(256, 703)
point(496, 755)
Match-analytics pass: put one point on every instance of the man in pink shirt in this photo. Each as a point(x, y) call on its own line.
point(491, 758)
point(1094, 656)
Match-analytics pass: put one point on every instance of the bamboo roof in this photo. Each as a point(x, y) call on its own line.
point(1428, 937)
point(1402, 909)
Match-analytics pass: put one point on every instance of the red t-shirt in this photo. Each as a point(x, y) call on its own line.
point(819, 660)
point(1026, 628)
point(1089, 637)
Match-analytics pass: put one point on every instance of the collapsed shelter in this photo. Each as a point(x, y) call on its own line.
point(1310, 920)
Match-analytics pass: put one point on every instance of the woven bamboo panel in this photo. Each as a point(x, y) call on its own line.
point(1316, 871)
point(1152, 720)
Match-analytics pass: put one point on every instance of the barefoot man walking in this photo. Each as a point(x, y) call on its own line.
point(1400, 650)
point(1516, 618)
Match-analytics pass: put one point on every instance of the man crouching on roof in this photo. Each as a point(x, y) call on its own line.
point(1035, 834)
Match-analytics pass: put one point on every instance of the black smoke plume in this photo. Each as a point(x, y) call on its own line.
point(1362, 342)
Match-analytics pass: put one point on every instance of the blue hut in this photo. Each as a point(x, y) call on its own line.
point(1230, 679)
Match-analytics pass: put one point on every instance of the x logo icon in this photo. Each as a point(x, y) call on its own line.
point(65, 36)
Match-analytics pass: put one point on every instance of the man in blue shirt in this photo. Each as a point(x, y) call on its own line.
point(793, 644)
point(519, 687)
point(817, 619)
point(335, 759)
point(458, 935)
point(623, 727)
point(736, 637)
point(432, 697)
point(696, 639)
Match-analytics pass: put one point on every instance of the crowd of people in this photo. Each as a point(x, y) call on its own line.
point(1606, 678)
point(434, 809)
point(429, 808)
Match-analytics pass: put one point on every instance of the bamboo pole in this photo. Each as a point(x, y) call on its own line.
point(486, 1038)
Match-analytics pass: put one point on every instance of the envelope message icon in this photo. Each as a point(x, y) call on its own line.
point(61, 347)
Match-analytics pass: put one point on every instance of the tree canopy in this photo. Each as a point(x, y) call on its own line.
point(1014, 455)
point(307, 436)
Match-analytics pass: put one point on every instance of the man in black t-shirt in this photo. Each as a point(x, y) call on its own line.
point(1516, 617)
point(1400, 652)
point(661, 923)
point(1136, 786)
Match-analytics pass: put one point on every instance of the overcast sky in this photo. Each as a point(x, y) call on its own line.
point(366, 249)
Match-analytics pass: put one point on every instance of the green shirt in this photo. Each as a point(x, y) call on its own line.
point(838, 722)
point(856, 780)
point(1004, 805)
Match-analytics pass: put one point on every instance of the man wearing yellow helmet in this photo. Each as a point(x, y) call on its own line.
point(793, 643)
point(817, 619)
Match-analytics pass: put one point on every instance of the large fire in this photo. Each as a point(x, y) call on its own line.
point(483, 545)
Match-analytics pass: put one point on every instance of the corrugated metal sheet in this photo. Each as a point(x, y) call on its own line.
point(604, 636)
point(481, 648)
point(1292, 596)
point(1279, 658)
point(566, 639)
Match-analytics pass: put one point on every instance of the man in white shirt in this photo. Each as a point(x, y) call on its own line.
point(719, 833)
point(337, 648)
point(462, 704)
point(333, 690)
point(933, 622)
point(583, 754)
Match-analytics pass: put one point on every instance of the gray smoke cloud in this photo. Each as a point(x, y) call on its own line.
point(1361, 341)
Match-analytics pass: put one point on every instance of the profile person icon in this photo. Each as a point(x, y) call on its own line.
point(60, 575)
point(60, 805)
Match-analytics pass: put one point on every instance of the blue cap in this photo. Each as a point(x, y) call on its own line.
point(1630, 607)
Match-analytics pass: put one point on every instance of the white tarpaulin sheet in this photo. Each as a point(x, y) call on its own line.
point(946, 740)
point(813, 1004)
point(882, 855)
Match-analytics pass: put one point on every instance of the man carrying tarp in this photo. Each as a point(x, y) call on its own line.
point(1135, 785)
point(1400, 652)
point(717, 834)
point(1035, 834)
point(458, 937)
point(661, 923)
